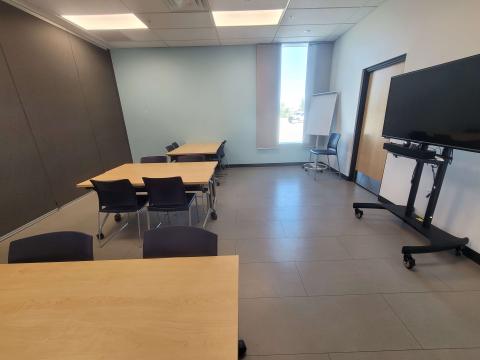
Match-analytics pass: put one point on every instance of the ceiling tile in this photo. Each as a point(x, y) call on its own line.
point(188, 34)
point(252, 41)
point(76, 7)
point(137, 44)
point(305, 30)
point(177, 20)
point(361, 13)
point(145, 6)
point(301, 39)
point(247, 32)
point(233, 5)
point(193, 43)
point(319, 16)
point(142, 35)
point(374, 2)
point(311, 4)
point(110, 35)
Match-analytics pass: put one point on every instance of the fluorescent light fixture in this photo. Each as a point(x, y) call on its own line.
point(106, 22)
point(247, 18)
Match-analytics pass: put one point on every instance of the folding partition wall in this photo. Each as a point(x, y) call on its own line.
point(60, 116)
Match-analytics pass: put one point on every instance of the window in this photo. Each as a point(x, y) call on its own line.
point(292, 93)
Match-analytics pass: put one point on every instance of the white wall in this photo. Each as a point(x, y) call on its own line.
point(430, 32)
point(196, 95)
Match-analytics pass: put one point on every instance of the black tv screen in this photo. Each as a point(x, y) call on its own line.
point(438, 105)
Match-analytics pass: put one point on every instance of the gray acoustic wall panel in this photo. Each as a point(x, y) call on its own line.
point(60, 119)
point(99, 88)
point(24, 190)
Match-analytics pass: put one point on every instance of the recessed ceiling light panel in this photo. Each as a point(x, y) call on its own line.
point(247, 18)
point(106, 22)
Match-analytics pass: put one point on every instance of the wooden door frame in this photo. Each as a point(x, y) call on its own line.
point(362, 102)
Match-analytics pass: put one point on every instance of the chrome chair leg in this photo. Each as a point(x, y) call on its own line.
point(328, 161)
point(338, 164)
point(148, 220)
point(189, 216)
point(196, 208)
point(139, 229)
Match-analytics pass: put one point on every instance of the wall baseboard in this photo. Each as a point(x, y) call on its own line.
point(266, 164)
point(40, 218)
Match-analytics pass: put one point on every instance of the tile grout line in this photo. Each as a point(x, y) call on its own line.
point(299, 273)
point(401, 321)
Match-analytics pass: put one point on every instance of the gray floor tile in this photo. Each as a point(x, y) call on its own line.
point(290, 249)
point(270, 280)
point(321, 324)
point(364, 277)
point(290, 357)
point(457, 354)
point(441, 319)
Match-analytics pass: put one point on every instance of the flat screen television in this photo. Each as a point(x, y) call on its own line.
point(438, 105)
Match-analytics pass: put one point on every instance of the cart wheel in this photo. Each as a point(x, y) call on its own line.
point(214, 216)
point(242, 348)
point(118, 217)
point(100, 236)
point(408, 261)
point(358, 213)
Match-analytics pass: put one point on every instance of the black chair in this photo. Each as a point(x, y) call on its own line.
point(175, 145)
point(153, 159)
point(191, 158)
point(169, 148)
point(52, 247)
point(331, 149)
point(179, 241)
point(169, 195)
point(118, 197)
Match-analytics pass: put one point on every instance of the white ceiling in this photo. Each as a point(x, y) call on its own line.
point(303, 21)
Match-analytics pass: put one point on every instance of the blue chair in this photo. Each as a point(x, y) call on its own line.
point(179, 241)
point(331, 150)
point(117, 197)
point(52, 247)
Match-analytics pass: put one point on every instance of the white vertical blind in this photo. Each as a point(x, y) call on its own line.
point(268, 95)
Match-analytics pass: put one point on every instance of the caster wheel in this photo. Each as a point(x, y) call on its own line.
point(358, 213)
point(458, 251)
point(242, 348)
point(214, 216)
point(408, 261)
point(118, 217)
point(218, 184)
point(100, 236)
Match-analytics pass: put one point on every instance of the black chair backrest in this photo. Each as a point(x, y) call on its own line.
point(165, 192)
point(169, 148)
point(52, 247)
point(179, 241)
point(191, 158)
point(333, 140)
point(118, 193)
point(175, 145)
point(221, 150)
point(153, 159)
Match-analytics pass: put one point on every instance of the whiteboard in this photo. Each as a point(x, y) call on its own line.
point(320, 113)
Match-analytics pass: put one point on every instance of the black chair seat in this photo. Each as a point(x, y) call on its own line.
point(189, 196)
point(141, 202)
point(323, 151)
point(52, 247)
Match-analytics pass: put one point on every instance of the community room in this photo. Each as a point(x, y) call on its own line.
point(240, 179)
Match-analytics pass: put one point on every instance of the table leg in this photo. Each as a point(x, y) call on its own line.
point(211, 200)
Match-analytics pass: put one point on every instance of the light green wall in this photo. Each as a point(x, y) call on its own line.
point(194, 95)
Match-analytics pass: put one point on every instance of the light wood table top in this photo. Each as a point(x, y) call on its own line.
point(195, 173)
point(179, 308)
point(196, 149)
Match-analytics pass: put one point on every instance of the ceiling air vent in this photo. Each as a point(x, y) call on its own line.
point(187, 5)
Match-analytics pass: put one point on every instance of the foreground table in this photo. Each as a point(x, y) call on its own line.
point(195, 173)
point(183, 308)
point(196, 149)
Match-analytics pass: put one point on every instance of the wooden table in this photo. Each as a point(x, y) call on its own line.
point(179, 308)
point(195, 173)
point(196, 149)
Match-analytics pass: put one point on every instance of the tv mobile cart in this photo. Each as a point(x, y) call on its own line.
point(439, 239)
